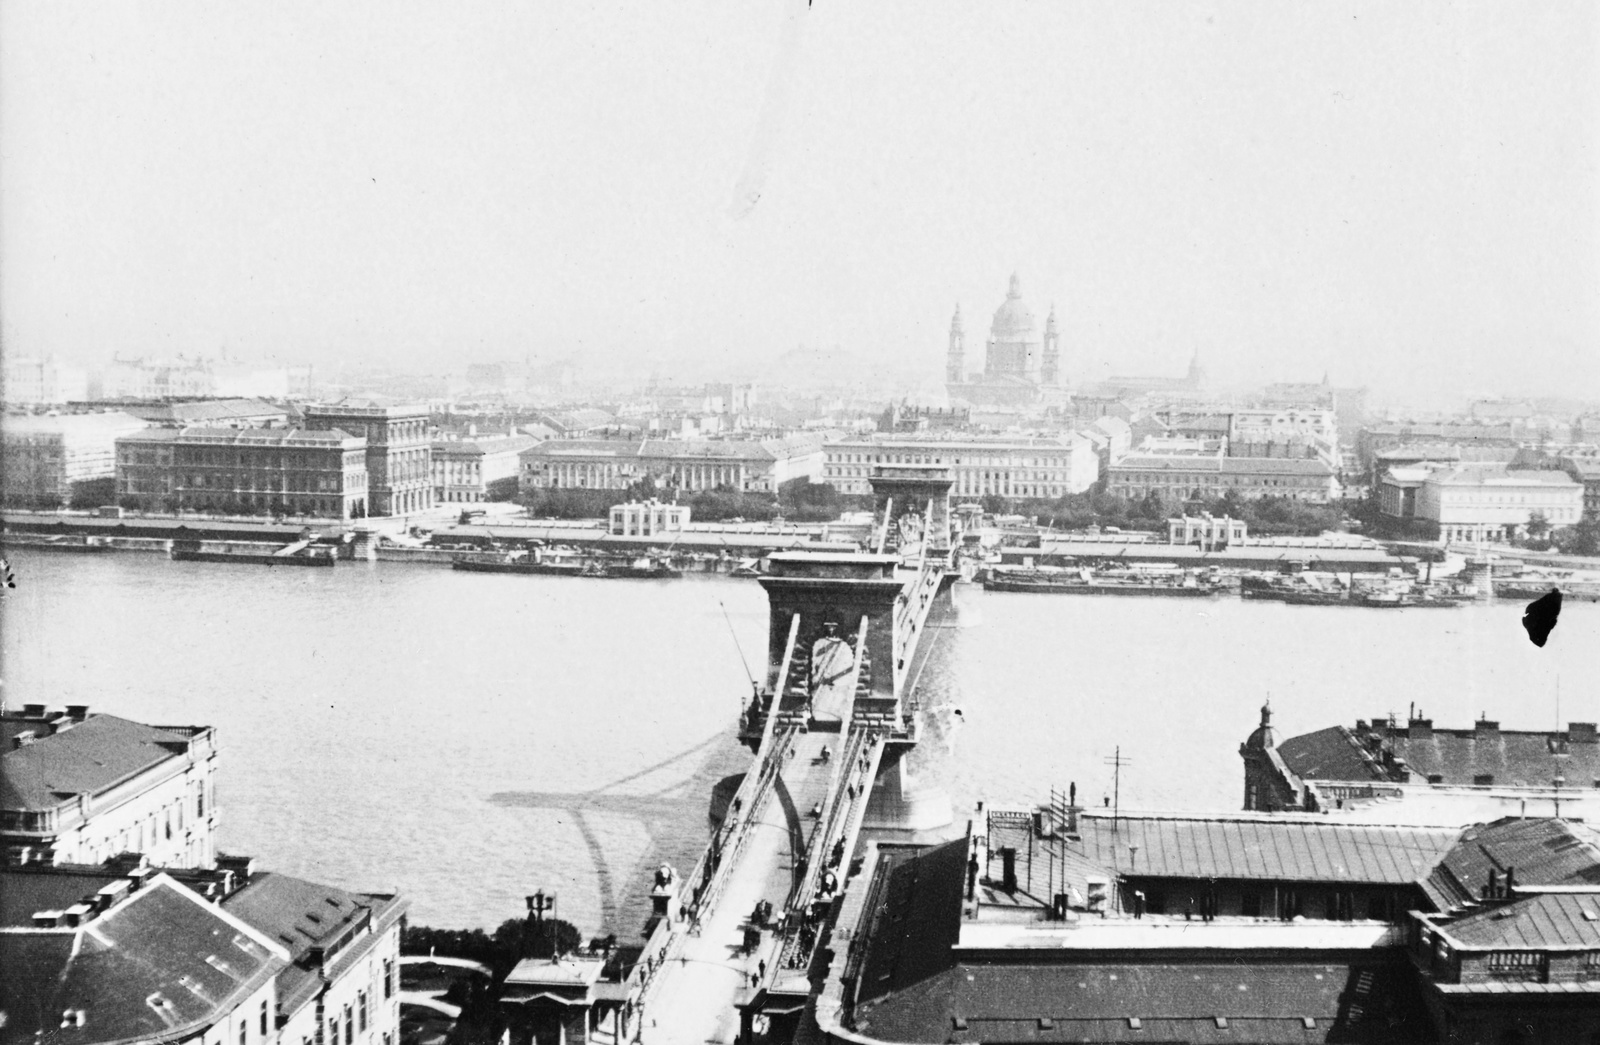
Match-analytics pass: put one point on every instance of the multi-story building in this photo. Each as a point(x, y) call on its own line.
point(142, 960)
point(1522, 965)
point(53, 460)
point(330, 976)
point(399, 475)
point(1205, 476)
point(1480, 435)
point(42, 382)
point(1586, 470)
point(247, 470)
point(77, 787)
point(1004, 466)
point(478, 468)
point(1410, 772)
point(1289, 432)
point(158, 378)
point(615, 464)
point(341, 985)
point(1479, 504)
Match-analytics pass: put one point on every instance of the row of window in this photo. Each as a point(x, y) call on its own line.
point(991, 460)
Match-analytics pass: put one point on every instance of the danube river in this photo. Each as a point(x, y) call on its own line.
point(470, 738)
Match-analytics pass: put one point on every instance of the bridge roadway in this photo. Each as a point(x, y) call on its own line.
point(790, 833)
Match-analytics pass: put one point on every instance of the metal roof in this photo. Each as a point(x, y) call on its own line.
point(1540, 922)
point(1264, 849)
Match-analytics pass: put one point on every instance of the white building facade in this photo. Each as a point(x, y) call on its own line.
point(1004, 466)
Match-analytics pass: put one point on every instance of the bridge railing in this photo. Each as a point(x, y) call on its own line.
point(702, 886)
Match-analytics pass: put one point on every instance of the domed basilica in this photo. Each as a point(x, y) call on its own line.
point(1019, 366)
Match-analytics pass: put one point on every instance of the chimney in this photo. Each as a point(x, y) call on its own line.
point(108, 895)
point(33, 711)
point(1582, 733)
point(1420, 729)
point(77, 712)
point(1486, 729)
point(243, 868)
point(47, 919)
point(77, 914)
point(23, 739)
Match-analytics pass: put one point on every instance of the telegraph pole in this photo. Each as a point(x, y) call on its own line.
point(1116, 762)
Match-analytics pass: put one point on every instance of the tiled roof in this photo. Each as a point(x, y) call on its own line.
point(1329, 754)
point(300, 916)
point(1456, 756)
point(1264, 849)
point(91, 756)
point(160, 966)
point(1543, 851)
point(1548, 920)
point(1368, 1001)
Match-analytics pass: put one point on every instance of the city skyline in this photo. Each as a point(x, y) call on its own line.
point(1384, 195)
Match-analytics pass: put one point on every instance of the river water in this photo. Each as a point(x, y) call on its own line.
point(471, 738)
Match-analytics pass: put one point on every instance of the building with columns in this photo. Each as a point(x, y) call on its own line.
point(1003, 465)
point(1020, 364)
point(749, 466)
point(399, 462)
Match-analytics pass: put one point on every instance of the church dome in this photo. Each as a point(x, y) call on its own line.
point(1013, 321)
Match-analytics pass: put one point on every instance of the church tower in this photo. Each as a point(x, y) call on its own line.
point(1050, 371)
point(955, 365)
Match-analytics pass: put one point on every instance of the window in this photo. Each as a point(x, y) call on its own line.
point(1250, 905)
point(1506, 960)
point(361, 1010)
point(244, 1031)
point(388, 978)
point(349, 1026)
point(263, 1019)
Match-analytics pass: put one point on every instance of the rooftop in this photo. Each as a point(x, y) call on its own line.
point(202, 411)
point(1264, 848)
point(90, 756)
point(1485, 754)
point(1542, 851)
point(288, 438)
point(480, 445)
point(1550, 920)
point(161, 965)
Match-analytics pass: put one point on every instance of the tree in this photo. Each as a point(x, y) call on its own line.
point(538, 938)
point(1538, 524)
point(1582, 538)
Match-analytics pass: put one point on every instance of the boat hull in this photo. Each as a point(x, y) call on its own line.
point(1056, 588)
point(253, 558)
point(548, 569)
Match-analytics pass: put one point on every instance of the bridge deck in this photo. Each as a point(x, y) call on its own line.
point(789, 836)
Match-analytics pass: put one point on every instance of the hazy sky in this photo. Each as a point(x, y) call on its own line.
point(1399, 193)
